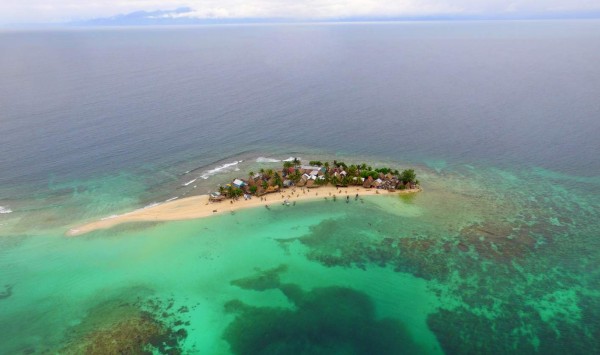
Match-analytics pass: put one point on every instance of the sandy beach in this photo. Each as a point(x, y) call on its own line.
point(200, 206)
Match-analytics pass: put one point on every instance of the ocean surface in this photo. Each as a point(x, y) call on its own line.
point(499, 254)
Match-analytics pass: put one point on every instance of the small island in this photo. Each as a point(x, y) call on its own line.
point(314, 175)
point(293, 182)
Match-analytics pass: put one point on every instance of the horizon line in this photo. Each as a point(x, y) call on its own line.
point(90, 23)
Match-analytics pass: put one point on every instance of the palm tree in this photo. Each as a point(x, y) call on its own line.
point(269, 173)
point(296, 161)
point(334, 180)
point(251, 174)
point(296, 177)
point(278, 181)
point(352, 170)
point(408, 175)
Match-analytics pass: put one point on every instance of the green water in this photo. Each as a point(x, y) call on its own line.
point(483, 260)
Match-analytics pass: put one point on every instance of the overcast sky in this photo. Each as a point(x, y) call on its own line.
point(42, 11)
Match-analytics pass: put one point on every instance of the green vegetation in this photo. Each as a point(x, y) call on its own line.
point(408, 176)
point(234, 192)
point(336, 173)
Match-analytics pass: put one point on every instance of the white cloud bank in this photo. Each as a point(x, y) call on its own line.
point(32, 11)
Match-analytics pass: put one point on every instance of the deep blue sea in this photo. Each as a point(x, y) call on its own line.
point(499, 254)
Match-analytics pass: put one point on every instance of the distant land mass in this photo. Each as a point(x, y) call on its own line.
point(187, 16)
point(179, 16)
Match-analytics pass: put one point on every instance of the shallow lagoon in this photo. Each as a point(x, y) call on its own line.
point(462, 261)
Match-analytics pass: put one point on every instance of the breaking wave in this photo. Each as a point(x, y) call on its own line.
point(266, 160)
point(189, 182)
point(271, 160)
point(219, 169)
point(5, 210)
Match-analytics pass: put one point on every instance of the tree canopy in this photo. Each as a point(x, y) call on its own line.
point(408, 175)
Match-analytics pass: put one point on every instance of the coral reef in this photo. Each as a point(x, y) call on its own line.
point(329, 320)
point(124, 328)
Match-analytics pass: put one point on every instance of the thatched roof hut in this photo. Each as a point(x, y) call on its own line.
point(216, 197)
point(368, 182)
point(272, 189)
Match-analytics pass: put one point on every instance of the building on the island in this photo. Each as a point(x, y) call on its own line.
point(215, 197)
point(238, 183)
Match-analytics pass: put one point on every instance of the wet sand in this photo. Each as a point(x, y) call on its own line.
point(200, 206)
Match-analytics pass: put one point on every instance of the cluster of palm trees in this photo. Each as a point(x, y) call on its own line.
point(353, 175)
point(231, 191)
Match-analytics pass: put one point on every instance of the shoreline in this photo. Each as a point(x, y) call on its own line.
point(195, 207)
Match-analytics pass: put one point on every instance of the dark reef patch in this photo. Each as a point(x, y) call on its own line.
point(329, 320)
point(7, 292)
point(497, 241)
point(336, 243)
point(525, 333)
point(263, 280)
point(115, 327)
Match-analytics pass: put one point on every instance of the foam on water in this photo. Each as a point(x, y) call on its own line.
point(266, 160)
point(189, 182)
point(271, 160)
point(5, 210)
point(220, 169)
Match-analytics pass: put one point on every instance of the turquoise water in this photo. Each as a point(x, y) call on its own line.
point(499, 254)
point(478, 255)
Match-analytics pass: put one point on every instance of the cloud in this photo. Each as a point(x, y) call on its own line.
point(20, 11)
